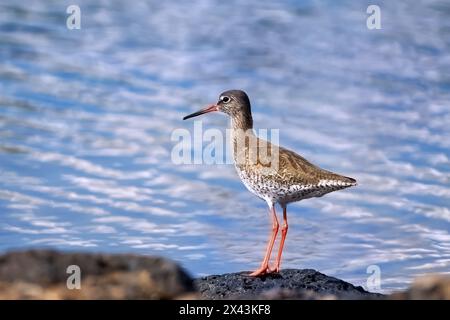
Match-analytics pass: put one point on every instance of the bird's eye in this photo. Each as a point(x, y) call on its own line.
point(225, 99)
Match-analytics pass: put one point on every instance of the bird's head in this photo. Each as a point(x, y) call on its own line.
point(234, 103)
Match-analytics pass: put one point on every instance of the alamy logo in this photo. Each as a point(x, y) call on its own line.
point(374, 20)
point(237, 146)
point(73, 21)
point(74, 280)
point(374, 280)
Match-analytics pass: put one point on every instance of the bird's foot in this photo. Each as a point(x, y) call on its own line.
point(261, 271)
point(276, 269)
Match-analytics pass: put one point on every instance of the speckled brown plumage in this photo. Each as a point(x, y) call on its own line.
point(293, 179)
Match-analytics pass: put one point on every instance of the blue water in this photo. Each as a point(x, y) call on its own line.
point(86, 118)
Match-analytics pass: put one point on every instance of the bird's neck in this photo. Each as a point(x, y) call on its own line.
point(241, 136)
point(242, 122)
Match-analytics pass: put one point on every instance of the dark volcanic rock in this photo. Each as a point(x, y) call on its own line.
point(288, 284)
point(42, 274)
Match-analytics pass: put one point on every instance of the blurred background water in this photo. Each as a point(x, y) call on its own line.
point(86, 118)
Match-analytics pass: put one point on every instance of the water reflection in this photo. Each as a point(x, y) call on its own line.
point(86, 118)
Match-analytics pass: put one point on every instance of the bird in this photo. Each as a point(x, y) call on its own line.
point(271, 172)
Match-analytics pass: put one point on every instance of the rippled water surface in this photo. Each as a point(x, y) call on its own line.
point(86, 118)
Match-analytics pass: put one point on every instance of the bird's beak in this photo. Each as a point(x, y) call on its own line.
point(210, 108)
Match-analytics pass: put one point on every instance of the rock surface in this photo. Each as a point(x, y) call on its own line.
point(430, 287)
point(288, 284)
point(42, 274)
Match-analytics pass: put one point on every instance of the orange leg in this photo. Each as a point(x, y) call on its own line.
point(265, 264)
point(284, 230)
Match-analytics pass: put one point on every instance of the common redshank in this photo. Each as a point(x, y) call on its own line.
point(276, 175)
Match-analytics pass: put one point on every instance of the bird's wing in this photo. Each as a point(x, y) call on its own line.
point(297, 170)
point(288, 166)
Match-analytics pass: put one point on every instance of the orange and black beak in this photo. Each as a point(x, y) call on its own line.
point(210, 108)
